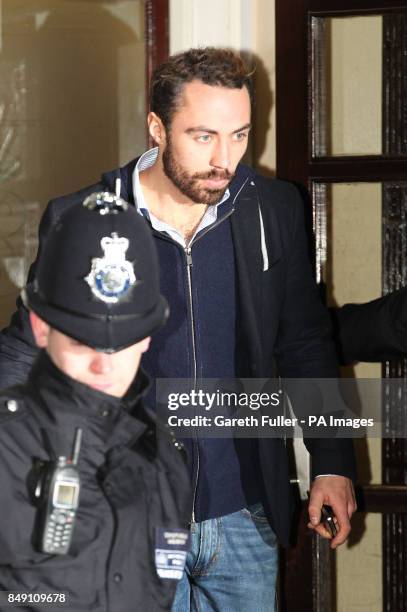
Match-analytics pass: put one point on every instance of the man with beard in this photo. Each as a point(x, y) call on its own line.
point(235, 271)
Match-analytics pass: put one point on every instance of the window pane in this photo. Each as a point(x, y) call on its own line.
point(347, 81)
point(72, 105)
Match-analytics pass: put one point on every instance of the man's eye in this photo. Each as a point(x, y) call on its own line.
point(204, 138)
point(241, 136)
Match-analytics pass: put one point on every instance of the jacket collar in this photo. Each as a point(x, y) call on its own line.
point(67, 404)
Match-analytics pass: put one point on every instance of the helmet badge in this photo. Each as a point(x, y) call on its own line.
point(111, 277)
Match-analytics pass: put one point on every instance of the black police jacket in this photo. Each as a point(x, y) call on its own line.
point(134, 501)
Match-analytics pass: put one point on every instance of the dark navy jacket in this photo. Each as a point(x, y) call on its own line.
point(278, 316)
point(199, 342)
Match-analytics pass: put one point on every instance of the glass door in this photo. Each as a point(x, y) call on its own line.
point(342, 133)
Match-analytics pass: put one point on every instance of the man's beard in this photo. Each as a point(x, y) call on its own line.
point(189, 184)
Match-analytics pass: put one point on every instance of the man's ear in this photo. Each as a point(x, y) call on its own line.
point(156, 129)
point(40, 330)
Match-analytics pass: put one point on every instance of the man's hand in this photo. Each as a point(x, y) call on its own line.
point(337, 492)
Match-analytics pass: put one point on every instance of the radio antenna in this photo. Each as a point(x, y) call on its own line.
point(76, 446)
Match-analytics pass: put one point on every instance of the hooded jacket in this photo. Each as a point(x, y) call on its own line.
point(134, 493)
point(280, 320)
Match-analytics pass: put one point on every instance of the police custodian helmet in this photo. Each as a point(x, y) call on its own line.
point(97, 277)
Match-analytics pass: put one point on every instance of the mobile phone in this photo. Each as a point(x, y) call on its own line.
point(59, 509)
point(328, 522)
point(59, 497)
point(327, 519)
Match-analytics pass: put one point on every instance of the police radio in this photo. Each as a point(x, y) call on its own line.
point(59, 495)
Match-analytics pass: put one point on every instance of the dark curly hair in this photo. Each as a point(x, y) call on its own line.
point(211, 65)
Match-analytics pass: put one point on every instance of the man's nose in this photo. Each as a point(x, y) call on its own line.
point(101, 363)
point(221, 155)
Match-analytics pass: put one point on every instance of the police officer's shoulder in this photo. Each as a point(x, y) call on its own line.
point(12, 404)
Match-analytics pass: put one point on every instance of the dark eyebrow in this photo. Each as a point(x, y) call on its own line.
point(244, 127)
point(202, 128)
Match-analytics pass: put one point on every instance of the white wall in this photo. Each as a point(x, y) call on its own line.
point(210, 22)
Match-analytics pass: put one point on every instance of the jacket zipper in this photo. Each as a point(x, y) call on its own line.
point(194, 371)
point(188, 255)
point(191, 306)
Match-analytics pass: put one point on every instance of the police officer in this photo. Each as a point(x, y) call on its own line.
point(95, 493)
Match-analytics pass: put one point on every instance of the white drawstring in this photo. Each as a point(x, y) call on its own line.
point(263, 243)
point(118, 187)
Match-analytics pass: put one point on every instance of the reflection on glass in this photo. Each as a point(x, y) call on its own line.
point(72, 105)
point(354, 241)
point(347, 85)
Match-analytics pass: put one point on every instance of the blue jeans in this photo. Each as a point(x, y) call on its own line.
point(232, 565)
